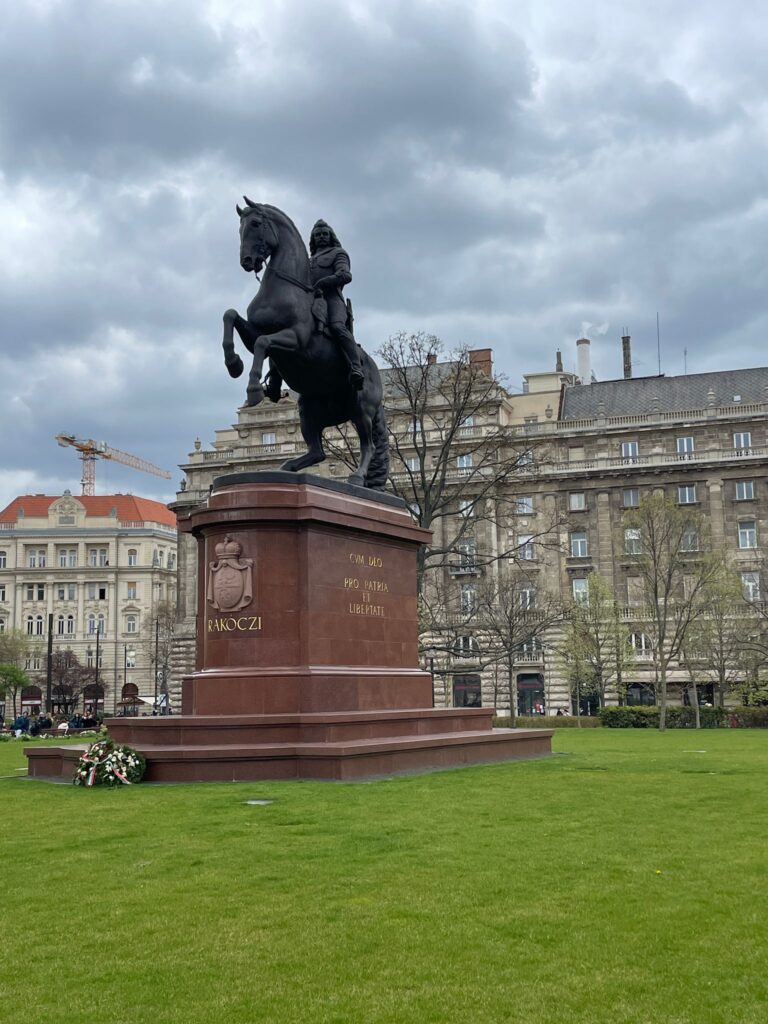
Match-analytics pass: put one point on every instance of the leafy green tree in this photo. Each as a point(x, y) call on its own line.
point(12, 681)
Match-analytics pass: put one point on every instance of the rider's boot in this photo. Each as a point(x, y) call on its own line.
point(273, 385)
point(351, 351)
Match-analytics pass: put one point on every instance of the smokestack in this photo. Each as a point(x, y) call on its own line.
point(583, 361)
point(626, 352)
point(559, 362)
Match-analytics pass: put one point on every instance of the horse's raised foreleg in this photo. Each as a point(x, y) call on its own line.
point(262, 346)
point(233, 321)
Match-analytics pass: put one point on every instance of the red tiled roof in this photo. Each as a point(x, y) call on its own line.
point(129, 508)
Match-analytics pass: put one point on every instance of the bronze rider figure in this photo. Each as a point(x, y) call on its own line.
point(330, 271)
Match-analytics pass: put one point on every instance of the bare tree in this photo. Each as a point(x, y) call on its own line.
point(513, 617)
point(667, 553)
point(17, 650)
point(158, 629)
point(596, 648)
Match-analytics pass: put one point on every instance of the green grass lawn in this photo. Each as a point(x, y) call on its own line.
point(621, 881)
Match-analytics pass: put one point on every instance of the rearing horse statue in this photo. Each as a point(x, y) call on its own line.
point(280, 325)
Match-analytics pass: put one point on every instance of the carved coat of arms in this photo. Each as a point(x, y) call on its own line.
point(230, 578)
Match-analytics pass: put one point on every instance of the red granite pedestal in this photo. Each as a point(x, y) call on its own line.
point(307, 648)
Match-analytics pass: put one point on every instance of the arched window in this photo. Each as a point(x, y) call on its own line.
point(466, 647)
point(31, 698)
point(60, 625)
point(91, 624)
point(133, 556)
point(39, 625)
point(30, 624)
point(2, 625)
point(102, 624)
point(3, 559)
point(70, 625)
point(131, 624)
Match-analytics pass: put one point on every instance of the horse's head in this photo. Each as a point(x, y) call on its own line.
point(258, 236)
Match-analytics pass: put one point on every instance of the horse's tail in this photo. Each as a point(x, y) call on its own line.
point(378, 468)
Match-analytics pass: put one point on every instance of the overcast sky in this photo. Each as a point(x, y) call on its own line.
point(504, 174)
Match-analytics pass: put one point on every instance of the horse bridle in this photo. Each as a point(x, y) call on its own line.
point(273, 270)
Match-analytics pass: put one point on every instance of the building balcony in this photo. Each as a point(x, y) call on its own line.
point(464, 569)
point(608, 464)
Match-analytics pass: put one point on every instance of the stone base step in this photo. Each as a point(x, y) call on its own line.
point(341, 760)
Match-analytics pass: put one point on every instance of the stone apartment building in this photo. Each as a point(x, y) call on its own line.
point(701, 438)
point(100, 566)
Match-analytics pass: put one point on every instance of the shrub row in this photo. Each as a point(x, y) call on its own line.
point(545, 722)
point(749, 718)
point(677, 717)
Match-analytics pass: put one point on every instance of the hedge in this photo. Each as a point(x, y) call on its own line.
point(546, 722)
point(677, 717)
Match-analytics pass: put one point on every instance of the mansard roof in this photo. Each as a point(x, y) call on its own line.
point(666, 394)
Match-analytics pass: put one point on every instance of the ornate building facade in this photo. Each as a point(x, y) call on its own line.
point(97, 569)
point(701, 439)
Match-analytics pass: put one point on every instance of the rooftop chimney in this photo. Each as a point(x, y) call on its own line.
point(559, 362)
point(583, 360)
point(626, 352)
point(482, 359)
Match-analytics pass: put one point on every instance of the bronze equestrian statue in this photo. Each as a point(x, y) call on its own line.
point(299, 320)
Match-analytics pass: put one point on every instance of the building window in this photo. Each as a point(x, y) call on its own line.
point(269, 438)
point(60, 625)
point(467, 692)
point(171, 560)
point(527, 598)
point(580, 591)
point(685, 446)
point(70, 625)
point(97, 558)
point(579, 545)
point(39, 625)
point(466, 507)
point(640, 695)
point(91, 621)
point(750, 582)
point(466, 647)
point(633, 544)
point(689, 539)
point(66, 591)
point(640, 644)
point(35, 591)
point(464, 462)
point(467, 550)
point(131, 624)
point(68, 558)
point(133, 556)
point(748, 533)
point(131, 589)
point(577, 501)
point(686, 494)
point(634, 591)
point(742, 442)
point(525, 458)
point(629, 451)
point(525, 548)
point(467, 426)
point(3, 559)
point(412, 464)
point(2, 591)
point(97, 592)
point(524, 505)
point(2, 625)
point(468, 598)
point(631, 497)
point(30, 625)
point(745, 490)
point(36, 558)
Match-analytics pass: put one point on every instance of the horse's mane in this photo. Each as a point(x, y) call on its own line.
point(278, 214)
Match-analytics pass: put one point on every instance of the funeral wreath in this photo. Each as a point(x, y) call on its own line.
point(109, 764)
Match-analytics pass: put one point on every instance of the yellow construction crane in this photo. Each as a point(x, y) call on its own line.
point(91, 450)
